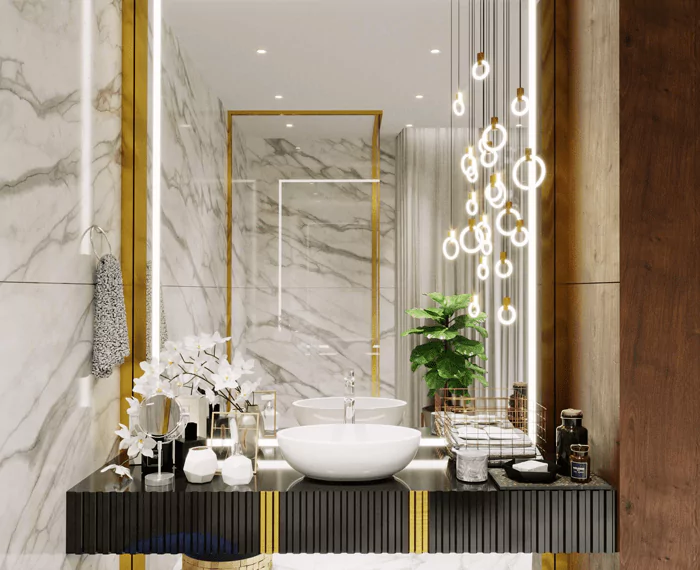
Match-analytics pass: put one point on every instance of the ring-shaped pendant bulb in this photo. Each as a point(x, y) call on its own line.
point(458, 107)
point(538, 162)
point(450, 241)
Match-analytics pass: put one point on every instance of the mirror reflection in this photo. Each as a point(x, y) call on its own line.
point(320, 161)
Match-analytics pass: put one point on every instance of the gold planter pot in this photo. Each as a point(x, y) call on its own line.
point(259, 562)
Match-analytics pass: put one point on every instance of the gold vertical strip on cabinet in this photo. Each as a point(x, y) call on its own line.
point(269, 522)
point(376, 296)
point(418, 522)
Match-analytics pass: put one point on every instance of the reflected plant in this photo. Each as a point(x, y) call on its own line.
point(448, 355)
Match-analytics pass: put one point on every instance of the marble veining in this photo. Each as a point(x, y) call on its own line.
point(324, 327)
point(56, 421)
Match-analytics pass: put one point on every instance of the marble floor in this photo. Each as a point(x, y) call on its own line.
point(381, 562)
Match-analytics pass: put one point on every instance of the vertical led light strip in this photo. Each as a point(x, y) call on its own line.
point(155, 182)
point(533, 338)
point(86, 201)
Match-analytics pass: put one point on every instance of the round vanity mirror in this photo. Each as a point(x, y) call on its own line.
point(161, 418)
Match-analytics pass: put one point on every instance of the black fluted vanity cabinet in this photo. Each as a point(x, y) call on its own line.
point(423, 509)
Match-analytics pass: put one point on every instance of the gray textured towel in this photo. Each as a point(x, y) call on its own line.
point(163, 323)
point(110, 335)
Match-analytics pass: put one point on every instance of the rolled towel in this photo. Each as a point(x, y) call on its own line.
point(110, 344)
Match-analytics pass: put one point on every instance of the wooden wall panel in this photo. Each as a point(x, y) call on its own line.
point(587, 208)
point(660, 285)
point(588, 324)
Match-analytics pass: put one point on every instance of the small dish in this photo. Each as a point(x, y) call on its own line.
point(531, 477)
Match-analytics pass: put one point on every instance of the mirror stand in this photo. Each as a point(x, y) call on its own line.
point(159, 479)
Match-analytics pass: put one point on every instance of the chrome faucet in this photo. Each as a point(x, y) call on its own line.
point(349, 402)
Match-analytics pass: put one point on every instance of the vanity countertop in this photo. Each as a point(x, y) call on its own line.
point(424, 508)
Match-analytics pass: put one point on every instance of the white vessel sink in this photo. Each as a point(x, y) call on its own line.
point(367, 411)
point(357, 452)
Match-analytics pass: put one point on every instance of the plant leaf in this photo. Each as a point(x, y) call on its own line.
point(439, 298)
point(419, 314)
point(481, 330)
point(436, 312)
point(440, 333)
point(433, 380)
point(425, 353)
point(467, 347)
point(419, 330)
point(475, 367)
point(456, 302)
point(451, 365)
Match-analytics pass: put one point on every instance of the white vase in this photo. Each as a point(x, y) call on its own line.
point(237, 470)
point(200, 465)
point(197, 408)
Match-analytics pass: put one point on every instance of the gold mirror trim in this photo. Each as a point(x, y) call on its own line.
point(375, 332)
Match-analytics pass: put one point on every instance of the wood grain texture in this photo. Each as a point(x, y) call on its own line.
point(660, 284)
point(546, 274)
point(587, 209)
point(588, 366)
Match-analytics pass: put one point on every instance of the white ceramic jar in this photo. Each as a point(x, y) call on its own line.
point(200, 465)
point(472, 465)
point(237, 470)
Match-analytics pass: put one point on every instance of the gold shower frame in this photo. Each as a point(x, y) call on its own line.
point(376, 236)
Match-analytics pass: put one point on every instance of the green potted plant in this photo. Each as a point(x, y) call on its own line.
point(448, 355)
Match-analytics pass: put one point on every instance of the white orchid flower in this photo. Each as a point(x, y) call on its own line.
point(134, 407)
point(143, 444)
point(245, 366)
point(210, 395)
point(120, 470)
point(170, 360)
point(145, 385)
point(125, 433)
point(217, 339)
point(247, 389)
point(152, 368)
point(199, 343)
point(163, 387)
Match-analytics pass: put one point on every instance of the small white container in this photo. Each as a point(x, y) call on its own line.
point(237, 470)
point(200, 465)
point(472, 465)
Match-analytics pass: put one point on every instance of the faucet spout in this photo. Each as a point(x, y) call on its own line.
point(349, 401)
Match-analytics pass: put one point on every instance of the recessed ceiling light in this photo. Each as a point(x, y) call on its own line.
point(519, 126)
point(434, 51)
point(409, 125)
point(278, 96)
point(289, 125)
point(261, 51)
point(297, 147)
point(185, 126)
point(419, 96)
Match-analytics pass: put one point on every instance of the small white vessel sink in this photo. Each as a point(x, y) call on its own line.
point(368, 410)
point(349, 452)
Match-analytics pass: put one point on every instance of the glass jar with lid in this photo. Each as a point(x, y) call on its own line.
point(570, 432)
point(580, 462)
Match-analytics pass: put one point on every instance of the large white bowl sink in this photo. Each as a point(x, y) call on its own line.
point(349, 452)
point(367, 411)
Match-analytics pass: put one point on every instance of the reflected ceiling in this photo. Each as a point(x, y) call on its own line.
point(323, 54)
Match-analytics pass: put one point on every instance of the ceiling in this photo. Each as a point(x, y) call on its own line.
point(322, 54)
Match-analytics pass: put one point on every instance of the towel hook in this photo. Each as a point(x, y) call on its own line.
point(92, 229)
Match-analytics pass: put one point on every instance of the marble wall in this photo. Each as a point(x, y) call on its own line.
point(324, 327)
point(59, 172)
point(193, 197)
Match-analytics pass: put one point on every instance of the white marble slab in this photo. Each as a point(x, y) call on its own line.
point(402, 561)
point(56, 422)
point(44, 191)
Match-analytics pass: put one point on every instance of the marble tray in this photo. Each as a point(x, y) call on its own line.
point(561, 483)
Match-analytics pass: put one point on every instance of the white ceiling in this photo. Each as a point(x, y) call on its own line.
point(322, 54)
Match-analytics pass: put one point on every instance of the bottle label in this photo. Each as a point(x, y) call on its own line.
point(579, 470)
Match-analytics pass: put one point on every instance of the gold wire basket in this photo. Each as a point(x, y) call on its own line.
point(499, 425)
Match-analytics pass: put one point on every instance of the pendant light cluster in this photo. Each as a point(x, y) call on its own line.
point(493, 197)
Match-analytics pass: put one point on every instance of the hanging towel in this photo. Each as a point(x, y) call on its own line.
point(163, 324)
point(110, 335)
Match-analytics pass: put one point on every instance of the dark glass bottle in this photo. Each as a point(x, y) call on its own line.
point(570, 432)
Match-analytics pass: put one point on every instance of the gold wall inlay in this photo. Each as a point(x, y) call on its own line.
point(134, 200)
point(375, 332)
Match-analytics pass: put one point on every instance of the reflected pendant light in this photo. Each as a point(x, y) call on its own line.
point(529, 157)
